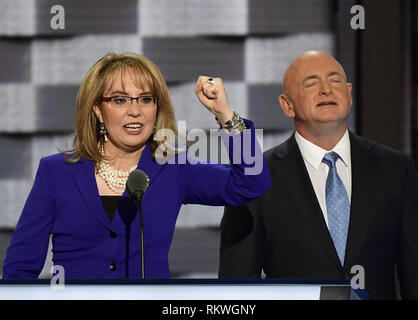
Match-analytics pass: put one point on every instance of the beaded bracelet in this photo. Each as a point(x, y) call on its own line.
point(235, 125)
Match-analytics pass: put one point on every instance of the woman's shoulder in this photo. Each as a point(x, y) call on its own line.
point(61, 160)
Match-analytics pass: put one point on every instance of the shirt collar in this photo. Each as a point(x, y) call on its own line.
point(314, 154)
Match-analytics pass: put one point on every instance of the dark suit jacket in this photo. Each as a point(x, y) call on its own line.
point(284, 232)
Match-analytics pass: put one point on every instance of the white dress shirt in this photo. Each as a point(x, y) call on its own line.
point(318, 171)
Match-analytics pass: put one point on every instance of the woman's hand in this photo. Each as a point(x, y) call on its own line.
point(212, 94)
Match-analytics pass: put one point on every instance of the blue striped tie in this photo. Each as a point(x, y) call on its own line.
point(338, 206)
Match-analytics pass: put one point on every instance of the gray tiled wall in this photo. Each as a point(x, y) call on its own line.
point(87, 17)
point(288, 16)
point(181, 59)
point(248, 43)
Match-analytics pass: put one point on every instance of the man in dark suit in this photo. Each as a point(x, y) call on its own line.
point(336, 201)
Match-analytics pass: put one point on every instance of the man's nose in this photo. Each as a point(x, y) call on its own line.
point(325, 88)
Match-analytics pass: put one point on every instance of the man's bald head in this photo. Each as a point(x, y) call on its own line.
point(316, 94)
point(295, 70)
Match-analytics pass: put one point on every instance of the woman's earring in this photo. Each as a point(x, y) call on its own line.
point(103, 131)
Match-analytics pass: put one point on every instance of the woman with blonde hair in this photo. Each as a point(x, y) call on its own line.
point(79, 195)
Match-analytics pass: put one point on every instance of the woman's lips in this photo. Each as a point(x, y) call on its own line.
point(133, 131)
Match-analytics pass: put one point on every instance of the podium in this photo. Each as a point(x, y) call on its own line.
point(180, 289)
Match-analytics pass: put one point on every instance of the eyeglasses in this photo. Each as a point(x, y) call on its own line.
point(122, 101)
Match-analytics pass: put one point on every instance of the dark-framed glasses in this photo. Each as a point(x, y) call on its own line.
point(121, 101)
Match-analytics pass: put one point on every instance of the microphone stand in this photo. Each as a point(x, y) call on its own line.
point(138, 196)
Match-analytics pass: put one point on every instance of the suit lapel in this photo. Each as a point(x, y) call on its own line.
point(292, 173)
point(84, 177)
point(363, 169)
point(149, 166)
point(152, 169)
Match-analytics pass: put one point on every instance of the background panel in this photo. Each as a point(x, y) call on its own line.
point(93, 16)
point(188, 107)
point(13, 194)
point(14, 60)
point(183, 58)
point(267, 59)
point(67, 60)
point(17, 108)
point(288, 16)
point(265, 109)
point(17, 17)
point(47, 144)
point(192, 18)
point(55, 108)
point(16, 155)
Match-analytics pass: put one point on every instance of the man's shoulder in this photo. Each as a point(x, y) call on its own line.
point(360, 144)
point(379, 150)
point(282, 149)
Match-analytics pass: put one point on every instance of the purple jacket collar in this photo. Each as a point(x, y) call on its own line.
point(84, 177)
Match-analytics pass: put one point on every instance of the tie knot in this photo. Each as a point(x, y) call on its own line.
point(330, 159)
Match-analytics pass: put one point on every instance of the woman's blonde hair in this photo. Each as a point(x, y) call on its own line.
point(94, 84)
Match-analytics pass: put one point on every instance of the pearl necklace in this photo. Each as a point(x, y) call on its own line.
point(115, 179)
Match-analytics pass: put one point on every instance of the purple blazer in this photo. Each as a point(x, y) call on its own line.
point(64, 201)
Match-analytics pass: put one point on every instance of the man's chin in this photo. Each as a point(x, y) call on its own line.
point(331, 124)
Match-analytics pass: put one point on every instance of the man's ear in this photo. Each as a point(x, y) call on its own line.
point(98, 113)
point(287, 106)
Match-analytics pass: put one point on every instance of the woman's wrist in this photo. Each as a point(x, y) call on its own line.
point(233, 125)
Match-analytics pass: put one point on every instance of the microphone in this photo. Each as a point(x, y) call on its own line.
point(136, 185)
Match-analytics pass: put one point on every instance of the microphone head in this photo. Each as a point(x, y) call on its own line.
point(137, 184)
